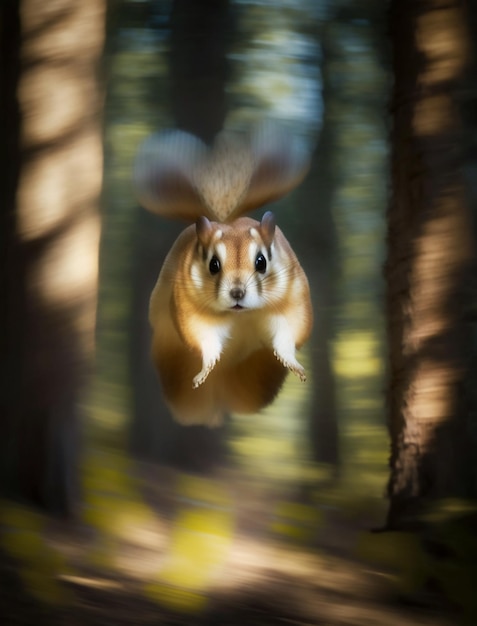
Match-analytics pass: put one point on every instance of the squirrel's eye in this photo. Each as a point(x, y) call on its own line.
point(260, 263)
point(214, 265)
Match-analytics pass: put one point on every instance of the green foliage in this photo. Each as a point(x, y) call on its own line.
point(402, 553)
point(39, 564)
point(198, 545)
point(296, 522)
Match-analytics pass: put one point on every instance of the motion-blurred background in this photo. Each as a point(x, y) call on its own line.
point(112, 513)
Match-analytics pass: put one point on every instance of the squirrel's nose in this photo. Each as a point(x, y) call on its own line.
point(237, 293)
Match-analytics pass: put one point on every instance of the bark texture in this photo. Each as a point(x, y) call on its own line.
point(430, 259)
point(50, 230)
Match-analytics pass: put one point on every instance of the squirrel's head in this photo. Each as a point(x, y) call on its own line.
point(239, 267)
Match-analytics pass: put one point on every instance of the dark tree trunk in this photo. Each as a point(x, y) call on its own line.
point(200, 35)
point(430, 260)
point(11, 265)
point(50, 226)
point(319, 187)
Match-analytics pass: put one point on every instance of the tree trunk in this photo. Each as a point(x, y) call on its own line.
point(430, 260)
point(319, 233)
point(50, 227)
point(200, 34)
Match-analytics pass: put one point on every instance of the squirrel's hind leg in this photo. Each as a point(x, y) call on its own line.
point(252, 384)
point(188, 406)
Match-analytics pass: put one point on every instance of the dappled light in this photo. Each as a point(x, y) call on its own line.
point(198, 558)
point(431, 258)
point(60, 125)
point(443, 250)
point(61, 177)
point(346, 500)
point(441, 37)
point(60, 279)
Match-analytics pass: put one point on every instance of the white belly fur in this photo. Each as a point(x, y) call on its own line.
point(247, 333)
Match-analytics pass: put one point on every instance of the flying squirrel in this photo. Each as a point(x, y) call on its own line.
point(232, 302)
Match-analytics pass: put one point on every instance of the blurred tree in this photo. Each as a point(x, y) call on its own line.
point(198, 71)
point(51, 179)
point(431, 262)
point(200, 36)
point(319, 234)
point(344, 202)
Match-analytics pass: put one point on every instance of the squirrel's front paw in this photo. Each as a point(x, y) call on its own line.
point(293, 365)
point(202, 375)
point(300, 372)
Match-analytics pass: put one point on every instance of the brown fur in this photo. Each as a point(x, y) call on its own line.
point(234, 384)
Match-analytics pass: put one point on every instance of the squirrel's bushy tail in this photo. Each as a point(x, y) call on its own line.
point(177, 176)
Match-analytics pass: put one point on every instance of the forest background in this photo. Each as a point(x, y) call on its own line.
point(105, 498)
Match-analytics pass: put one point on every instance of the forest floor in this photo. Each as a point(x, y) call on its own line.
point(174, 558)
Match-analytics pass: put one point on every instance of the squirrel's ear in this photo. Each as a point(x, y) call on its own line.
point(267, 228)
point(163, 173)
point(281, 161)
point(203, 228)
